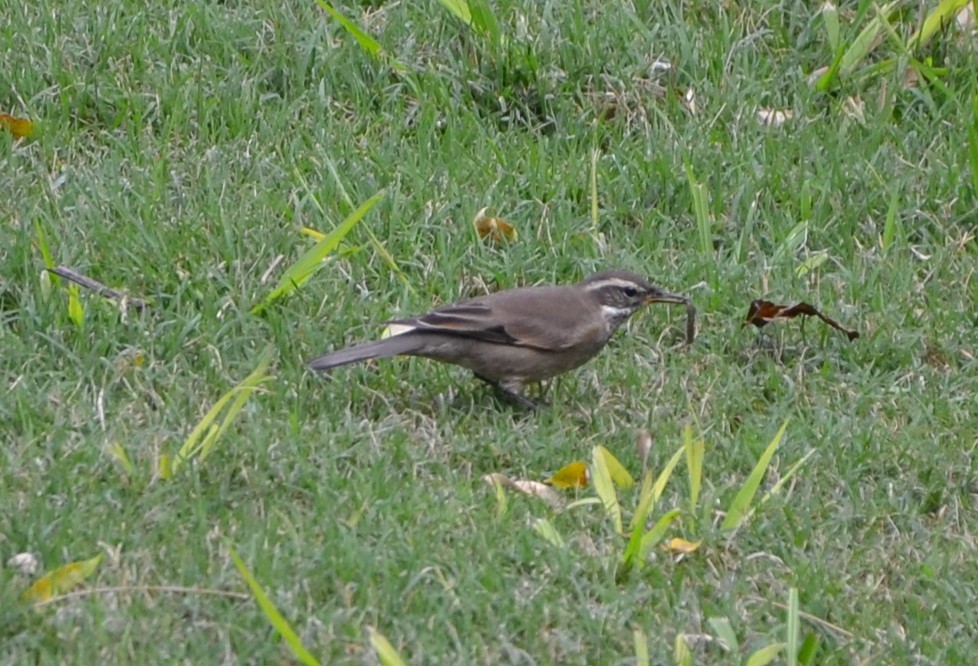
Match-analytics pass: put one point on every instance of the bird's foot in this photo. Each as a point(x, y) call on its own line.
point(512, 395)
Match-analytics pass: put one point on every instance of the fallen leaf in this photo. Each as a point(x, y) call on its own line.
point(61, 580)
point(761, 313)
point(531, 488)
point(573, 475)
point(494, 228)
point(773, 117)
point(19, 127)
point(677, 545)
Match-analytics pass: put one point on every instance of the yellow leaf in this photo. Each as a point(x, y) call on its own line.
point(573, 475)
point(618, 473)
point(494, 228)
point(61, 580)
point(677, 545)
point(312, 233)
point(19, 127)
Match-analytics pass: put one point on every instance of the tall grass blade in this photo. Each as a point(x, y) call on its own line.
point(701, 213)
point(741, 502)
point(201, 445)
point(776, 488)
point(546, 529)
point(280, 624)
point(386, 653)
point(312, 259)
point(660, 484)
point(366, 42)
point(866, 40)
point(941, 16)
point(76, 311)
point(830, 18)
point(892, 226)
point(605, 488)
point(973, 142)
point(641, 647)
point(594, 190)
point(794, 627)
point(725, 633)
point(637, 527)
point(694, 464)
point(656, 534)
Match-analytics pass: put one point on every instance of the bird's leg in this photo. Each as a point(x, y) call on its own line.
point(511, 393)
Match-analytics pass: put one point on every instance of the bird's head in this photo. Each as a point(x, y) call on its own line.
point(621, 294)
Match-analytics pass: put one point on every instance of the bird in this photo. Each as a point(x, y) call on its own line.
point(518, 336)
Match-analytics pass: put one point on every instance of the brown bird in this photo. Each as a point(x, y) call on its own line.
point(517, 336)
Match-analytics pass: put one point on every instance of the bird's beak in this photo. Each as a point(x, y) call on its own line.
point(657, 295)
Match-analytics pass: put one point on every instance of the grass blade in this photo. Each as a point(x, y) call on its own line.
point(741, 503)
point(865, 41)
point(641, 647)
point(280, 624)
point(199, 444)
point(724, 631)
point(605, 488)
point(655, 535)
point(973, 146)
point(386, 653)
point(794, 627)
point(941, 16)
point(830, 18)
point(660, 483)
point(694, 463)
point(637, 527)
point(619, 475)
point(547, 530)
point(701, 213)
point(312, 259)
point(765, 655)
point(776, 488)
point(366, 42)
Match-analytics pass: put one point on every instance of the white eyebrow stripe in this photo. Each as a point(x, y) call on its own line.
point(612, 282)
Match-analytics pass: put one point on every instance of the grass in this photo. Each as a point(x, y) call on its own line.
point(180, 147)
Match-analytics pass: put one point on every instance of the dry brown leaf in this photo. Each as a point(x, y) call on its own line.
point(531, 488)
point(494, 228)
point(19, 127)
point(761, 313)
point(643, 445)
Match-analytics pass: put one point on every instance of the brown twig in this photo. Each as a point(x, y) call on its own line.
point(72, 275)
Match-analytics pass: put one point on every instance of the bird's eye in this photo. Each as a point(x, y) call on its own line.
point(631, 292)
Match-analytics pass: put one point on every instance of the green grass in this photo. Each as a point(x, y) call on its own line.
point(180, 146)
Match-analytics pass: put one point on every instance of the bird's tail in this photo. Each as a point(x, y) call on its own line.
point(392, 346)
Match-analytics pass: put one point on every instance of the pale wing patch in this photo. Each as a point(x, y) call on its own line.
point(396, 329)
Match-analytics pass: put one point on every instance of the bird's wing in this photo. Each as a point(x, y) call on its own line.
point(513, 320)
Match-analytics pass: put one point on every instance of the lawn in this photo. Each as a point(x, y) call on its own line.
point(179, 149)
